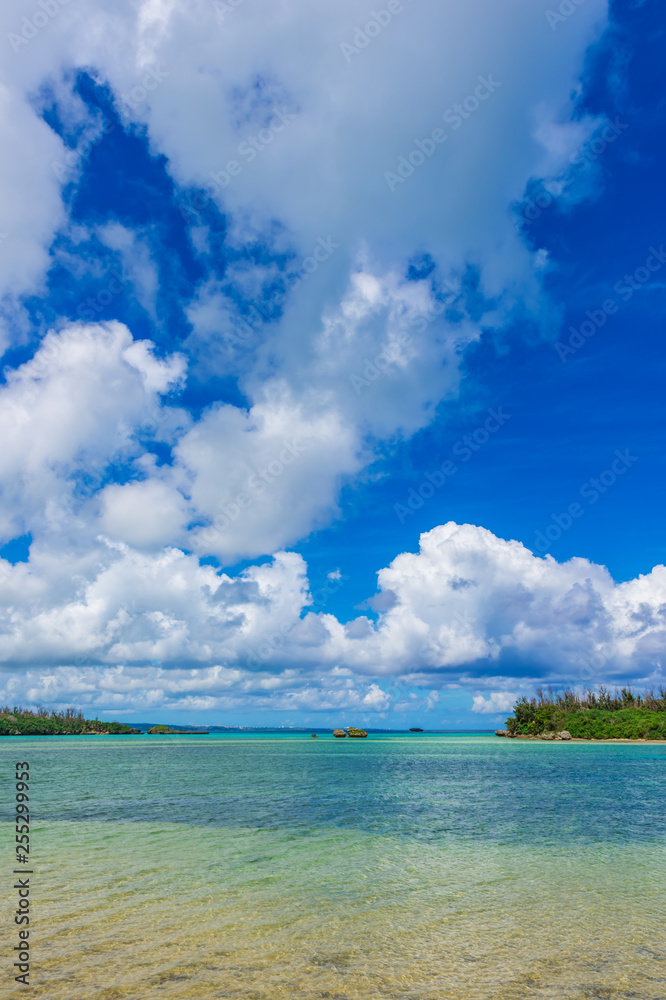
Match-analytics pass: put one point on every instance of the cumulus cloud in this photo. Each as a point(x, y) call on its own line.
point(146, 514)
point(497, 701)
point(517, 614)
point(353, 337)
point(67, 412)
point(520, 618)
point(264, 478)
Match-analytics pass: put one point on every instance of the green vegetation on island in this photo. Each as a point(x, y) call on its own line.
point(71, 722)
point(593, 716)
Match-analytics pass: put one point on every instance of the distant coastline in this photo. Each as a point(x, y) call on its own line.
point(71, 722)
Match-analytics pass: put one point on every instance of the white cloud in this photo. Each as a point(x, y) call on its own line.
point(143, 514)
point(518, 617)
point(264, 478)
point(497, 701)
point(125, 689)
point(66, 413)
point(342, 126)
point(376, 699)
point(30, 205)
point(475, 604)
point(358, 354)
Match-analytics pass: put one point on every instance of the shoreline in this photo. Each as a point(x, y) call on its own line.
point(581, 739)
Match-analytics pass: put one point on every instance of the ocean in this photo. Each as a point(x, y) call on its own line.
point(271, 866)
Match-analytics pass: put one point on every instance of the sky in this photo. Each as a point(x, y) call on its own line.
point(332, 357)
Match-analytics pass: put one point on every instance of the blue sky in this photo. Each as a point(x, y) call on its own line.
point(244, 373)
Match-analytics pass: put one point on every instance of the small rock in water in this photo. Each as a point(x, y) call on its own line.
point(501, 732)
point(314, 736)
point(340, 733)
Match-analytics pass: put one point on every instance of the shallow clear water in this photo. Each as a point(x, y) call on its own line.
point(394, 867)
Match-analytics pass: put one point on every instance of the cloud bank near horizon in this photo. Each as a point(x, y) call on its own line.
point(154, 630)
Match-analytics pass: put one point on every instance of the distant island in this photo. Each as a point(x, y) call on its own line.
point(168, 731)
point(622, 715)
point(23, 722)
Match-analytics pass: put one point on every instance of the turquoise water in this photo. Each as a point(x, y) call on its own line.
point(398, 866)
